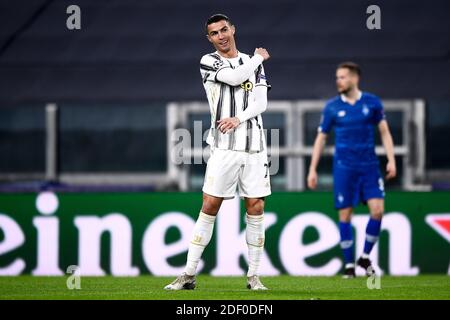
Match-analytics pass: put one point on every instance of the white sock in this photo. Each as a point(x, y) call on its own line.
point(255, 241)
point(365, 256)
point(202, 235)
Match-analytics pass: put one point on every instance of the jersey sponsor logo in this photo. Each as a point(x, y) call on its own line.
point(247, 86)
point(341, 113)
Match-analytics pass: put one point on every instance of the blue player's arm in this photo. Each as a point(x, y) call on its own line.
point(379, 119)
point(319, 144)
point(388, 144)
point(325, 126)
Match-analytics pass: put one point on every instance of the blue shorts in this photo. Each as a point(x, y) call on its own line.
point(355, 185)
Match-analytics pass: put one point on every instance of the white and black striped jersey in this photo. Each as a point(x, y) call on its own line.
point(229, 101)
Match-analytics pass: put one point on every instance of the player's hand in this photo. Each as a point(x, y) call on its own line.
point(227, 124)
point(391, 170)
point(262, 52)
point(312, 179)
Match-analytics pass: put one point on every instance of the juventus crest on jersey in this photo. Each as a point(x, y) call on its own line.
point(229, 101)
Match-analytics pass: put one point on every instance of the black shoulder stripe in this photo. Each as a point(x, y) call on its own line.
point(214, 55)
point(205, 67)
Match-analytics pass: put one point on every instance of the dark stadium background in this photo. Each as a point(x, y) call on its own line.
point(135, 56)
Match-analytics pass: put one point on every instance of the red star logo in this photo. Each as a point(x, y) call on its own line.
point(440, 223)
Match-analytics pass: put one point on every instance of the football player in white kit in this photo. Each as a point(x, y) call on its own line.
point(236, 88)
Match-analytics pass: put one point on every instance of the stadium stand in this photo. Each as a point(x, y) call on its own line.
point(149, 50)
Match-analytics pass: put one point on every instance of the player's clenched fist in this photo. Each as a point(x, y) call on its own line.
point(262, 52)
point(312, 179)
point(228, 124)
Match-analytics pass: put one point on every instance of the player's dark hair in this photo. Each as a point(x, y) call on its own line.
point(216, 18)
point(351, 66)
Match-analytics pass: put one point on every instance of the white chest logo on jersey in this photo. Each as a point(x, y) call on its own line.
point(341, 113)
point(217, 64)
point(365, 110)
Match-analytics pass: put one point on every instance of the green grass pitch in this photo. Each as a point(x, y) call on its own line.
point(228, 288)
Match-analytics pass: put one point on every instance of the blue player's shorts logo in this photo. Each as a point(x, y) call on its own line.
point(381, 184)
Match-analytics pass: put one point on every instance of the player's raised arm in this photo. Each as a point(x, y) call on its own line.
point(388, 143)
point(236, 76)
point(319, 144)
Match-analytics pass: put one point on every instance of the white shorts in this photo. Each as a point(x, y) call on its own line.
point(228, 168)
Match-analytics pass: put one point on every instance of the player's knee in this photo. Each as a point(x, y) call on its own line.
point(377, 210)
point(377, 213)
point(345, 215)
point(346, 218)
point(210, 206)
point(255, 206)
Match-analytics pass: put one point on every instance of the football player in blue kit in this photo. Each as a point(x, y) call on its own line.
point(354, 114)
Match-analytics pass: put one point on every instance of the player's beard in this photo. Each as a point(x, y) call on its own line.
point(227, 48)
point(345, 90)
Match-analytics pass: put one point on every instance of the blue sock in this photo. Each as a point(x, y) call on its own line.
point(347, 243)
point(372, 234)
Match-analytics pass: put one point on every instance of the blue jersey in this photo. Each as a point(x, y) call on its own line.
point(354, 129)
